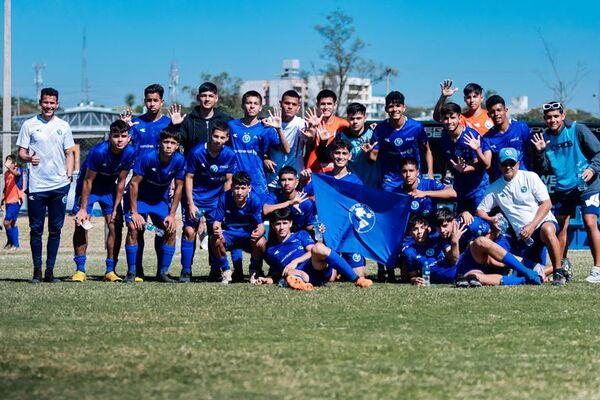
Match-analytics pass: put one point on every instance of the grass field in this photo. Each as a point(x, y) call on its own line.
point(201, 340)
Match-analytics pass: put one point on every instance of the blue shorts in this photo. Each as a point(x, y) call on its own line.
point(237, 239)
point(12, 211)
point(188, 222)
point(316, 278)
point(535, 252)
point(443, 274)
point(106, 202)
point(158, 212)
point(565, 203)
point(355, 260)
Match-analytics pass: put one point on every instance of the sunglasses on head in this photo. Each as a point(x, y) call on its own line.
point(555, 105)
point(508, 163)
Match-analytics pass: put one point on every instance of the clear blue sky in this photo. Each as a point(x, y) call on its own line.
point(132, 43)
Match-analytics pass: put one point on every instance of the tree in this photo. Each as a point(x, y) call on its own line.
point(342, 52)
point(229, 92)
point(129, 100)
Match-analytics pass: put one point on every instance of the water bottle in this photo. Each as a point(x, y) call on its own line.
point(501, 223)
point(199, 214)
point(528, 242)
point(150, 227)
point(426, 274)
point(317, 227)
point(581, 183)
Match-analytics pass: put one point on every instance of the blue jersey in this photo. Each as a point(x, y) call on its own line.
point(349, 177)
point(279, 255)
point(154, 188)
point(145, 135)
point(303, 213)
point(517, 136)
point(465, 184)
point(250, 144)
point(396, 144)
point(239, 219)
point(432, 252)
point(368, 171)
point(210, 173)
point(107, 167)
point(425, 205)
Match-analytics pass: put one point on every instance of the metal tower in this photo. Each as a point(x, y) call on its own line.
point(85, 85)
point(173, 82)
point(38, 80)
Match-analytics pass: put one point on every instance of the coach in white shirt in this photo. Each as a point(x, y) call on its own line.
point(46, 142)
point(524, 200)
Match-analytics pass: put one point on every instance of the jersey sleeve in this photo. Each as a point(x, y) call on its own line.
point(488, 202)
point(306, 239)
point(271, 199)
point(180, 174)
point(192, 163)
point(271, 140)
point(232, 163)
point(422, 137)
point(94, 159)
point(375, 138)
point(68, 141)
point(24, 137)
point(538, 189)
point(257, 213)
point(139, 167)
point(220, 210)
point(129, 161)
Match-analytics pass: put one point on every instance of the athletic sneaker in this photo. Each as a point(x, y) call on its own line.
point(558, 277)
point(139, 279)
point(462, 283)
point(185, 277)
point(363, 282)
point(594, 276)
point(112, 277)
point(226, 277)
point(567, 268)
point(130, 278)
point(37, 276)
point(78, 276)
point(214, 275)
point(49, 276)
point(473, 281)
point(541, 271)
point(165, 278)
point(298, 283)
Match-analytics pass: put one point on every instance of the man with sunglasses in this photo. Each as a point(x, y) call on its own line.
point(524, 200)
point(571, 152)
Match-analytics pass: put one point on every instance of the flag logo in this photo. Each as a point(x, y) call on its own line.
point(361, 217)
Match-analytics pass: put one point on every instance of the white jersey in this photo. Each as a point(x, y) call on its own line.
point(518, 199)
point(49, 140)
point(295, 138)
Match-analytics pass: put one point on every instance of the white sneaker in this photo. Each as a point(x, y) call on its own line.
point(541, 271)
point(204, 242)
point(226, 277)
point(594, 277)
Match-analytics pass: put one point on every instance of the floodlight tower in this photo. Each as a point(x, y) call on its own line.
point(85, 85)
point(38, 80)
point(173, 82)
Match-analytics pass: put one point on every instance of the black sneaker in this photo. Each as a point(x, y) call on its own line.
point(391, 276)
point(37, 276)
point(214, 275)
point(558, 277)
point(185, 277)
point(165, 278)
point(381, 275)
point(49, 276)
point(462, 282)
point(130, 278)
point(473, 281)
point(237, 276)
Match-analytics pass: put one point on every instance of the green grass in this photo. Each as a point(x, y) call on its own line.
point(100, 340)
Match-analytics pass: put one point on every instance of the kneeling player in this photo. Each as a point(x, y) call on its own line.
point(301, 261)
point(102, 180)
point(238, 225)
point(149, 196)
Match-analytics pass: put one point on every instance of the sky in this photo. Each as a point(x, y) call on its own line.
point(131, 44)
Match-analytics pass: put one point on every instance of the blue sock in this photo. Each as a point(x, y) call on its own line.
point(80, 262)
point(255, 265)
point(15, 236)
point(221, 263)
point(237, 259)
point(131, 253)
point(510, 280)
point(512, 262)
point(187, 254)
point(110, 265)
point(166, 258)
point(340, 265)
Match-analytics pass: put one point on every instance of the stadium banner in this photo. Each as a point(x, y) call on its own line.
point(361, 219)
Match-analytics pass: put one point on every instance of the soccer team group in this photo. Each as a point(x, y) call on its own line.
point(230, 176)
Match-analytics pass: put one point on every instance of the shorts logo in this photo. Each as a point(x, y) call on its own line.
point(214, 169)
point(31, 198)
point(246, 138)
point(361, 217)
point(398, 142)
point(414, 205)
point(409, 151)
point(523, 189)
point(430, 252)
point(356, 257)
point(64, 199)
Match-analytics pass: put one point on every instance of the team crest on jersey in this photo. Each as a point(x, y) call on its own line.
point(488, 124)
point(356, 257)
point(59, 132)
point(361, 217)
point(214, 169)
point(398, 142)
point(430, 252)
point(246, 138)
point(414, 205)
point(523, 189)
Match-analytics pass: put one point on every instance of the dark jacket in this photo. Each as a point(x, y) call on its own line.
point(195, 129)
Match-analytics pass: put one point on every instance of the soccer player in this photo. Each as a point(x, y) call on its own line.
point(317, 158)
point(198, 125)
point(475, 117)
point(469, 156)
point(102, 181)
point(287, 196)
point(292, 126)
point(238, 224)
point(357, 134)
point(148, 197)
point(12, 200)
point(397, 138)
point(209, 169)
point(505, 133)
point(425, 248)
point(46, 142)
point(302, 262)
point(445, 221)
point(564, 146)
point(524, 200)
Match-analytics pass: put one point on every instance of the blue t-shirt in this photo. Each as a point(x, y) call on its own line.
point(239, 219)
point(303, 213)
point(517, 136)
point(432, 252)
point(349, 177)
point(154, 188)
point(425, 205)
point(107, 167)
point(145, 135)
point(209, 173)
point(250, 144)
point(368, 171)
point(395, 145)
point(279, 255)
point(465, 184)
point(563, 150)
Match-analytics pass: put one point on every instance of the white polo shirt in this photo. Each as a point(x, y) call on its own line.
point(49, 140)
point(518, 199)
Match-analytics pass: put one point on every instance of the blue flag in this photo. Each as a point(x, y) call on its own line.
point(361, 219)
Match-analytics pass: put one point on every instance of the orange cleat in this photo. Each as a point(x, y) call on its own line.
point(363, 282)
point(295, 282)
